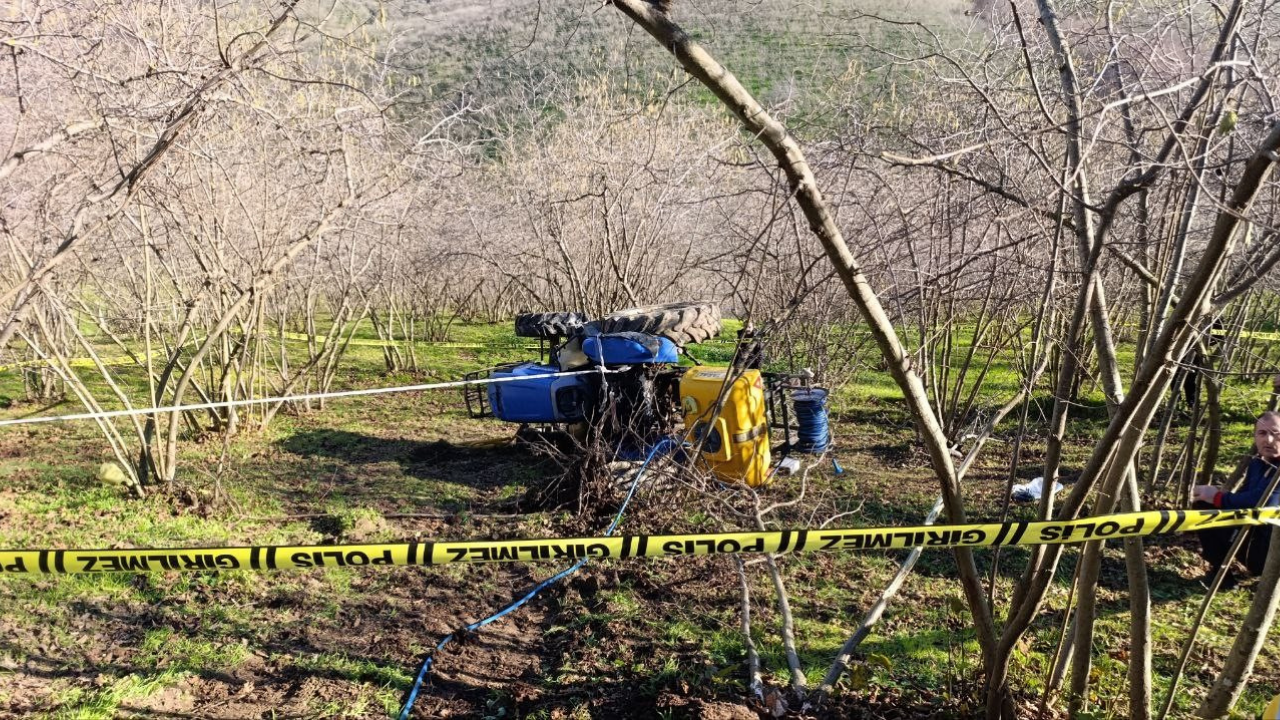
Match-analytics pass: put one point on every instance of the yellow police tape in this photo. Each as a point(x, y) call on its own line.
point(85, 362)
point(81, 362)
point(628, 546)
point(1248, 334)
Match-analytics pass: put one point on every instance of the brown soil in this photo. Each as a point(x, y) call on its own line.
point(572, 653)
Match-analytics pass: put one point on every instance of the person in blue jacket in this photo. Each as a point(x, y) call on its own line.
point(1215, 543)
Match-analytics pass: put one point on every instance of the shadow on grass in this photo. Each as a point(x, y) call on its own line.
point(1166, 581)
point(298, 658)
point(364, 469)
point(250, 691)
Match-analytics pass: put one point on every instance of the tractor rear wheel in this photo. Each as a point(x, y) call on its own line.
point(549, 324)
point(681, 323)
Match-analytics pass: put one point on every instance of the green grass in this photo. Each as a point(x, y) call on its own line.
point(165, 649)
point(389, 679)
point(343, 472)
point(105, 703)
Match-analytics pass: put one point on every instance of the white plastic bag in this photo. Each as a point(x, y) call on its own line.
point(1031, 491)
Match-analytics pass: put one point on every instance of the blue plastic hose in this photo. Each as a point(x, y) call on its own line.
point(814, 435)
point(664, 445)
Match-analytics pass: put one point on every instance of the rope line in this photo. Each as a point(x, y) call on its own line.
point(287, 398)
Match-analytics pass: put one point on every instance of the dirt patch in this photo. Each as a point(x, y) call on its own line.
point(619, 640)
point(699, 709)
point(303, 654)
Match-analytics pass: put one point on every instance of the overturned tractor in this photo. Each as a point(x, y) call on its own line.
point(616, 383)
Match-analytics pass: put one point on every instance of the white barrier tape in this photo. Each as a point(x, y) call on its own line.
point(118, 360)
point(366, 342)
point(289, 398)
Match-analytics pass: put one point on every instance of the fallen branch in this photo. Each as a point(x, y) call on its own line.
point(755, 683)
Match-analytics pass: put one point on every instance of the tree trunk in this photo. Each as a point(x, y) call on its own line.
point(318, 228)
point(1120, 443)
point(182, 116)
point(1135, 565)
point(1213, 428)
point(792, 161)
point(1253, 633)
point(1157, 450)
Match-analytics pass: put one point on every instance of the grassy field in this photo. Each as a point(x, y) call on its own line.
point(639, 639)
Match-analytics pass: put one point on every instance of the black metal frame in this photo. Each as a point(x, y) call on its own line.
point(548, 346)
point(776, 386)
point(477, 396)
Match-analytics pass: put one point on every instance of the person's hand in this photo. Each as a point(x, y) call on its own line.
point(1205, 493)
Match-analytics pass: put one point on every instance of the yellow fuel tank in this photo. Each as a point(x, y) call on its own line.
point(738, 447)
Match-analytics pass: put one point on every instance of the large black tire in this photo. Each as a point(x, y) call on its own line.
point(681, 323)
point(549, 324)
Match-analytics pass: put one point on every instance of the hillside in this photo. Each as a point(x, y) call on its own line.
point(787, 53)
